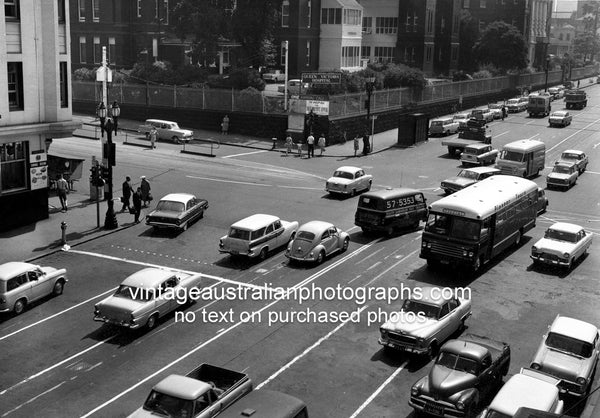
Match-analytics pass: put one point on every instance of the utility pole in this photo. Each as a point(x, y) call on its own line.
point(108, 150)
point(285, 86)
point(595, 32)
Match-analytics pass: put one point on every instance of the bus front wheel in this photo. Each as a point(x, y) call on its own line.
point(518, 239)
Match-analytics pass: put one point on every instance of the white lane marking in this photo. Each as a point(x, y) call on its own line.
point(60, 363)
point(230, 181)
point(573, 134)
point(33, 399)
point(227, 330)
point(374, 265)
point(57, 314)
point(299, 187)
point(503, 133)
point(592, 172)
point(369, 256)
point(379, 389)
point(309, 349)
point(391, 267)
point(595, 145)
point(531, 137)
point(245, 153)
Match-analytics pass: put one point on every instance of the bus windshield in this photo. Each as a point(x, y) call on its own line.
point(453, 226)
point(511, 156)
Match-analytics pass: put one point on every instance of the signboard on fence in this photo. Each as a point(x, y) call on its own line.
point(322, 78)
point(319, 107)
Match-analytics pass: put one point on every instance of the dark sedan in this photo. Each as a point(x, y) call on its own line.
point(177, 210)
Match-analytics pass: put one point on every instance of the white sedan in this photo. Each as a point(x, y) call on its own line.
point(349, 180)
point(563, 243)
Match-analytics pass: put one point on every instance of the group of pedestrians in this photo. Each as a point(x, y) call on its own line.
point(141, 197)
point(310, 142)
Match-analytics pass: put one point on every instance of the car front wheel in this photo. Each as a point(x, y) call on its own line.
point(58, 288)
point(345, 245)
point(152, 321)
point(320, 257)
point(176, 140)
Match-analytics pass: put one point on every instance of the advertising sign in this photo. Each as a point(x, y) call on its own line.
point(319, 107)
point(38, 170)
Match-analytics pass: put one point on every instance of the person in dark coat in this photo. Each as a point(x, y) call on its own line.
point(127, 190)
point(137, 204)
point(366, 144)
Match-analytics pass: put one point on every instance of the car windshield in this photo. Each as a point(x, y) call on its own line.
point(170, 206)
point(562, 169)
point(461, 116)
point(560, 235)
point(133, 293)
point(468, 174)
point(239, 234)
point(495, 414)
point(343, 174)
point(472, 151)
point(511, 156)
point(459, 363)
point(570, 345)
point(453, 226)
point(419, 307)
point(437, 123)
point(569, 156)
point(512, 101)
point(167, 405)
point(495, 106)
point(305, 235)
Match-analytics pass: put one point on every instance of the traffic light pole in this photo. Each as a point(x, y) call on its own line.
point(110, 221)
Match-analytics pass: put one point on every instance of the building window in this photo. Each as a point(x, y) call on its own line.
point(428, 53)
point(367, 25)
point(466, 4)
point(560, 36)
point(285, 14)
point(429, 21)
point(456, 25)
point(112, 53)
point(309, 16)
point(11, 9)
point(97, 50)
point(365, 52)
point(81, 10)
point(415, 21)
point(408, 21)
point(352, 17)
point(386, 25)
point(225, 53)
point(481, 25)
point(64, 84)
point(139, 8)
point(384, 54)
point(482, 4)
point(308, 53)
point(166, 11)
point(15, 85)
point(61, 11)
point(568, 36)
point(96, 10)
point(350, 56)
point(156, 9)
point(82, 50)
point(331, 16)
point(13, 166)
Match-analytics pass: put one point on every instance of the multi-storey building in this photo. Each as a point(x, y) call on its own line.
point(35, 105)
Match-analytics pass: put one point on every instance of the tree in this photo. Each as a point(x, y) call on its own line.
point(585, 44)
point(503, 46)
point(469, 34)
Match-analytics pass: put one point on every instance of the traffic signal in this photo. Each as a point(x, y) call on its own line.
point(104, 173)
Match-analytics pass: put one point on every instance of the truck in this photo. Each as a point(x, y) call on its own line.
point(466, 371)
point(539, 105)
point(575, 99)
point(202, 393)
point(474, 130)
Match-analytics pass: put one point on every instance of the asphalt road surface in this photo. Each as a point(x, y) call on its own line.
point(58, 362)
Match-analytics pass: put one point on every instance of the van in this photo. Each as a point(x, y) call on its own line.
point(539, 105)
point(390, 209)
point(524, 158)
point(266, 404)
point(443, 126)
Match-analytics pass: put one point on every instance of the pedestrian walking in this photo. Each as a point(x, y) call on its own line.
point(127, 190)
point(503, 111)
point(62, 188)
point(310, 141)
point(321, 143)
point(153, 136)
point(366, 144)
point(137, 204)
point(145, 190)
point(356, 144)
point(225, 125)
point(288, 144)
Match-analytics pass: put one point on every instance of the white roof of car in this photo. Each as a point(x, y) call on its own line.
point(159, 121)
point(14, 268)
point(559, 113)
point(430, 294)
point(315, 227)
point(182, 387)
point(349, 169)
point(524, 391)
point(255, 221)
point(574, 328)
point(178, 197)
point(573, 151)
point(566, 227)
point(480, 170)
point(147, 278)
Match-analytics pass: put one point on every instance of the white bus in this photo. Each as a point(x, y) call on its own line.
point(473, 225)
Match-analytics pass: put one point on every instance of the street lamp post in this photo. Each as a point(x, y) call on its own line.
point(110, 221)
point(370, 84)
point(101, 113)
point(115, 112)
point(547, 68)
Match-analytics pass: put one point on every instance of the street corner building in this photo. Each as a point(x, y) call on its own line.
point(35, 104)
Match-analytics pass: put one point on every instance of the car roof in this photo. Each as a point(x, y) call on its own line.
point(462, 114)
point(446, 118)
point(573, 151)
point(565, 163)
point(566, 227)
point(315, 227)
point(429, 294)
point(348, 168)
point(182, 387)
point(255, 221)
point(574, 328)
point(390, 193)
point(466, 348)
point(14, 268)
point(559, 112)
point(147, 278)
point(178, 197)
point(160, 121)
point(522, 390)
point(480, 170)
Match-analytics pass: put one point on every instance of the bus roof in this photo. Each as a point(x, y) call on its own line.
point(524, 145)
point(390, 193)
point(485, 197)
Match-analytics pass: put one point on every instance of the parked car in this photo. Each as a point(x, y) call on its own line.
point(425, 321)
point(466, 177)
point(462, 119)
point(443, 126)
point(496, 109)
point(569, 352)
point(563, 243)
point(145, 296)
point(517, 104)
point(257, 235)
point(529, 388)
point(479, 154)
point(485, 114)
point(349, 180)
point(466, 372)
point(177, 210)
point(274, 76)
point(560, 118)
point(542, 202)
point(574, 156)
point(294, 86)
point(563, 175)
point(557, 92)
point(167, 130)
point(23, 283)
point(316, 240)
